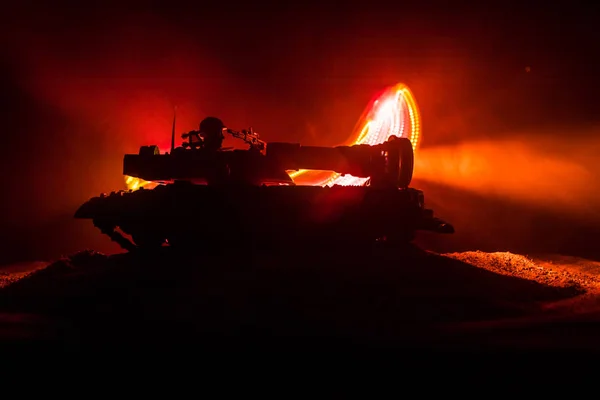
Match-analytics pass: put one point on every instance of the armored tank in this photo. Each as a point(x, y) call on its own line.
point(208, 196)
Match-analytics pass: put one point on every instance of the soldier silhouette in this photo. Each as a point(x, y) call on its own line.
point(211, 132)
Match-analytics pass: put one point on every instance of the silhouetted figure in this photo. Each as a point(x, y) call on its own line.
point(211, 131)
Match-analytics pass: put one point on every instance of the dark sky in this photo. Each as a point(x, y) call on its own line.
point(84, 84)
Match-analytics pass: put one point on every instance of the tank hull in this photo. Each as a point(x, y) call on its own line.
point(200, 215)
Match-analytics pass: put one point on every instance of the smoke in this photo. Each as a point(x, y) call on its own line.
point(84, 85)
point(556, 172)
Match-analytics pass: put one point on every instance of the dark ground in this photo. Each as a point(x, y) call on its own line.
point(378, 300)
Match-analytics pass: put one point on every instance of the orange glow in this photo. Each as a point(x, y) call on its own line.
point(394, 112)
point(136, 183)
point(549, 173)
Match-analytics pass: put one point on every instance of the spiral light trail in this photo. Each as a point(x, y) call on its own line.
point(394, 112)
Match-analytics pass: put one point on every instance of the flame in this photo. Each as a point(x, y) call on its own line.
point(395, 112)
point(136, 183)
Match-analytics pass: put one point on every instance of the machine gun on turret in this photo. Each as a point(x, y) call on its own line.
point(248, 136)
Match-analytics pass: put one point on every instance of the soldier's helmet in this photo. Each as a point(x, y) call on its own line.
point(211, 130)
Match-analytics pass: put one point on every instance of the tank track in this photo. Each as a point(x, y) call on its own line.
point(187, 215)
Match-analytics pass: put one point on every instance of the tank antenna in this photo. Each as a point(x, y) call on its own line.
point(173, 130)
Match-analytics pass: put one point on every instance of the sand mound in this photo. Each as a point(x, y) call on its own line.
point(516, 265)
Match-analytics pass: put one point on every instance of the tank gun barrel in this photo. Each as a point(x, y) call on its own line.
point(389, 163)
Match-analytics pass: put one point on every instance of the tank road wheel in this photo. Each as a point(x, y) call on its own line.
point(147, 241)
point(179, 242)
point(398, 239)
point(191, 244)
point(402, 237)
point(108, 228)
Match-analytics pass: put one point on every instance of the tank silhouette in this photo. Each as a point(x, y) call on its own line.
point(209, 197)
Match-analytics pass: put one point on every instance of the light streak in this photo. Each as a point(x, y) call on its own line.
point(394, 112)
